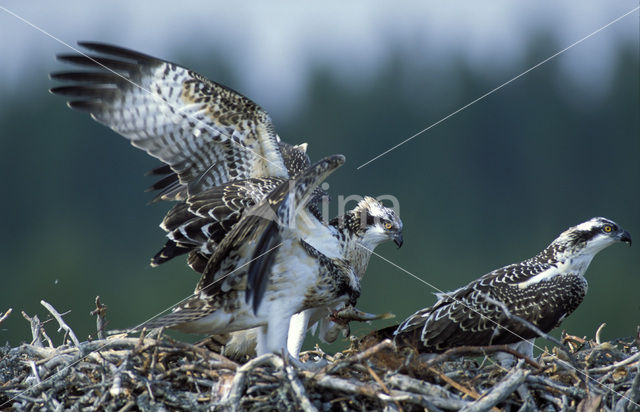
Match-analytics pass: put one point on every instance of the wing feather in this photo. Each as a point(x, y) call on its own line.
point(207, 133)
point(258, 230)
point(465, 317)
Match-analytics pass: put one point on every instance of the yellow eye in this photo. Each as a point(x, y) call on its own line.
point(607, 228)
point(388, 225)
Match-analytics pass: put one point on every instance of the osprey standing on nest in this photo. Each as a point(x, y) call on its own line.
point(221, 152)
point(543, 290)
point(267, 268)
point(356, 233)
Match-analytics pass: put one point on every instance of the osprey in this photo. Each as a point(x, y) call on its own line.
point(543, 290)
point(200, 223)
point(221, 152)
point(269, 267)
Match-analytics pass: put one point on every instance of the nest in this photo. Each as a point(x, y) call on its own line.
point(157, 373)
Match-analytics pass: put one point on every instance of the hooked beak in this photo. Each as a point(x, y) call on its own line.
point(625, 237)
point(397, 239)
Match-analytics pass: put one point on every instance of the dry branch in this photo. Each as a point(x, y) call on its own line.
point(151, 373)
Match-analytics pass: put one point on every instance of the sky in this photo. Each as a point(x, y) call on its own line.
point(271, 44)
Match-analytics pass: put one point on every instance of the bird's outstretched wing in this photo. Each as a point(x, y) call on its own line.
point(206, 133)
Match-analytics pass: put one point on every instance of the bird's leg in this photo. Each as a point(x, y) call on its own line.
point(297, 332)
point(506, 360)
point(261, 341)
point(525, 347)
point(273, 337)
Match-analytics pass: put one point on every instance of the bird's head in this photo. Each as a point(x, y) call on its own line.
point(590, 237)
point(375, 223)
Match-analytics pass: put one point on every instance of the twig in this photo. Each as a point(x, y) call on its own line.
point(631, 395)
point(501, 391)
point(430, 402)
point(616, 365)
point(343, 385)
point(575, 343)
point(481, 350)
point(528, 404)
point(385, 344)
point(36, 329)
point(598, 332)
point(116, 386)
point(590, 403)
point(34, 369)
point(6, 315)
point(467, 391)
point(232, 398)
point(572, 391)
point(61, 322)
point(398, 396)
point(298, 390)
point(406, 383)
point(99, 312)
point(384, 387)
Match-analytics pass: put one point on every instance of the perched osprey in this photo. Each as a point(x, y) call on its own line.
point(270, 266)
point(543, 290)
point(202, 222)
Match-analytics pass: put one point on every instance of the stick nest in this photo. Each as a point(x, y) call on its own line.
point(157, 373)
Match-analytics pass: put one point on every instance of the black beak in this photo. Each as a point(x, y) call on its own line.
point(625, 237)
point(397, 239)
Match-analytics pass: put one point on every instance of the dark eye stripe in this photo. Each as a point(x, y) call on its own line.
point(370, 220)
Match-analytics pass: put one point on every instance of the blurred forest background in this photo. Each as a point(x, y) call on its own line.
point(492, 185)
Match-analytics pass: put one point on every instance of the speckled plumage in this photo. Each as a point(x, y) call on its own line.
point(222, 159)
point(263, 271)
point(354, 235)
point(543, 290)
point(205, 132)
point(210, 137)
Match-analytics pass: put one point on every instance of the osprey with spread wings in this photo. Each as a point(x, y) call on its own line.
point(222, 158)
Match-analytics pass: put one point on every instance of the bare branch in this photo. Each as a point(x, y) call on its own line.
point(499, 392)
point(100, 312)
point(36, 329)
point(385, 344)
point(481, 350)
point(63, 325)
point(298, 390)
point(6, 315)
